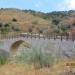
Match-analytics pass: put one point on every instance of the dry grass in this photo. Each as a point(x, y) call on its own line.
point(24, 20)
point(62, 67)
point(27, 69)
point(22, 69)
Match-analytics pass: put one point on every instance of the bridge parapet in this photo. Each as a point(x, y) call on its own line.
point(31, 35)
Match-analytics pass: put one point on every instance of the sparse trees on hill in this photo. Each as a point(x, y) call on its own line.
point(15, 28)
point(6, 25)
point(5, 28)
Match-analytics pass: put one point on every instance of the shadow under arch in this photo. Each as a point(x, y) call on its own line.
point(16, 45)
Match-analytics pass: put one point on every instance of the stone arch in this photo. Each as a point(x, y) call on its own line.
point(16, 45)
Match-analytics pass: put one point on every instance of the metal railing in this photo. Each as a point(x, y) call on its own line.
point(35, 35)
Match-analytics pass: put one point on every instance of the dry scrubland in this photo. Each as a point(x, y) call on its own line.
point(39, 63)
point(24, 21)
point(25, 69)
point(35, 64)
point(22, 69)
point(37, 22)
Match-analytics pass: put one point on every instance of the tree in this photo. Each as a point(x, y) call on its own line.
point(14, 20)
point(40, 31)
point(55, 22)
point(73, 24)
point(35, 22)
point(4, 28)
point(6, 25)
point(0, 25)
point(15, 28)
point(30, 30)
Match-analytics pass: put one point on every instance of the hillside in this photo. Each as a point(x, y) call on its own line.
point(26, 21)
point(36, 22)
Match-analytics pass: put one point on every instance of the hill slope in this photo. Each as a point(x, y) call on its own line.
point(32, 21)
point(26, 21)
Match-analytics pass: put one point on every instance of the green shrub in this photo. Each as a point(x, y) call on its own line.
point(37, 56)
point(30, 30)
point(3, 57)
point(35, 22)
point(14, 20)
point(2, 60)
point(41, 57)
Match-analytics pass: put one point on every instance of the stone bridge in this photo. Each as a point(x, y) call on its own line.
point(61, 46)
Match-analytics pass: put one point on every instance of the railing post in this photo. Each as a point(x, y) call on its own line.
point(54, 36)
point(27, 35)
point(35, 35)
point(48, 36)
point(31, 35)
point(73, 37)
point(67, 36)
point(39, 35)
point(44, 37)
point(61, 38)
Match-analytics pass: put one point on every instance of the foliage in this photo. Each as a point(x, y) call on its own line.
point(14, 20)
point(8, 27)
point(2, 60)
point(40, 58)
point(15, 29)
point(5, 27)
point(30, 30)
point(40, 31)
point(3, 57)
point(0, 25)
point(35, 22)
point(73, 24)
point(51, 18)
point(55, 21)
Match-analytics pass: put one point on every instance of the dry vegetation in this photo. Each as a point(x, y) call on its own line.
point(23, 20)
point(34, 67)
point(26, 20)
point(22, 69)
point(26, 69)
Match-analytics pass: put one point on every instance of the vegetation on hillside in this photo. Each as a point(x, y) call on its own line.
point(33, 21)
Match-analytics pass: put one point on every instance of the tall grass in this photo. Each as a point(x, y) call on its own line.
point(3, 60)
point(37, 56)
point(3, 57)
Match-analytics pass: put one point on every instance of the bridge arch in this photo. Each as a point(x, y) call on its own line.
point(14, 47)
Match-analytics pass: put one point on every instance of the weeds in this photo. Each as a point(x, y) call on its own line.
point(37, 56)
point(2, 60)
point(3, 57)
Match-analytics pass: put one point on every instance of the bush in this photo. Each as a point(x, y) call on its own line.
point(14, 20)
point(6, 25)
point(3, 57)
point(40, 58)
point(40, 31)
point(30, 30)
point(35, 22)
point(1, 24)
point(15, 28)
point(55, 21)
